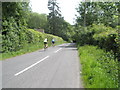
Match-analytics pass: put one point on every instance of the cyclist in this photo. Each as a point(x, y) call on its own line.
point(45, 43)
point(53, 42)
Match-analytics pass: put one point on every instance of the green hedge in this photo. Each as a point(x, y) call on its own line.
point(26, 40)
point(17, 39)
point(84, 36)
point(14, 42)
point(107, 38)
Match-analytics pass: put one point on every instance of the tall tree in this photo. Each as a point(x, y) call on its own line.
point(54, 16)
point(56, 23)
point(98, 12)
point(87, 13)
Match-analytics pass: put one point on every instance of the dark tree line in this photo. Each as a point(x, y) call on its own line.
point(56, 23)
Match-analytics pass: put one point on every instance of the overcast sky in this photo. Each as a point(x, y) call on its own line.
point(67, 8)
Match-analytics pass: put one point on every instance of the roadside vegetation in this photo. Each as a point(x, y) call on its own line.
point(19, 34)
point(33, 40)
point(98, 38)
point(99, 69)
point(99, 51)
point(96, 32)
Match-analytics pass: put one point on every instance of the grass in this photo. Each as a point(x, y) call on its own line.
point(27, 49)
point(99, 69)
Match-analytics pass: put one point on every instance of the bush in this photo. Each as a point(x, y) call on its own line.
point(118, 41)
point(84, 36)
point(105, 37)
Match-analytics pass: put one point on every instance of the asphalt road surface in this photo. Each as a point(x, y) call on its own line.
point(57, 67)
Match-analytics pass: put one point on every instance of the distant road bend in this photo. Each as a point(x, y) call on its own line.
point(57, 67)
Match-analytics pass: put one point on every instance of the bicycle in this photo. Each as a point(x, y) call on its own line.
point(45, 46)
point(53, 42)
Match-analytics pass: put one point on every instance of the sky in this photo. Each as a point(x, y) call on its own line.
point(67, 8)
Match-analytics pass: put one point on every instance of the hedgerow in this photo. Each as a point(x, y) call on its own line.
point(107, 38)
point(16, 37)
point(100, 63)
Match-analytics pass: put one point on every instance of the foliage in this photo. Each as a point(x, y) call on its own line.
point(15, 35)
point(28, 41)
point(98, 12)
point(18, 10)
point(100, 35)
point(54, 17)
point(14, 18)
point(83, 36)
point(12, 35)
point(56, 23)
point(105, 37)
point(87, 13)
point(99, 69)
point(37, 20)
point(118, 41)
point(98, 24)
point(101, 19)
point(14, 42)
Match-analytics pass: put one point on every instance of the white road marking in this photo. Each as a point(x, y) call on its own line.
point(31, 66)
point(57, 50)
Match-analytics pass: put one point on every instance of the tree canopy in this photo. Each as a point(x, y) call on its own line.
point(98, 12)
point(37, 20)
point(56, 23)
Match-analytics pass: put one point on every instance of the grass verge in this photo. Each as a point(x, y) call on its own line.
point(27, 49)
point(99, 69)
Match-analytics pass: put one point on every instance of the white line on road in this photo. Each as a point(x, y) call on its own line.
point(31, 66)
point(57, 50)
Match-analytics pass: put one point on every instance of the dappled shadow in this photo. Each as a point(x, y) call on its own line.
point(71, 46)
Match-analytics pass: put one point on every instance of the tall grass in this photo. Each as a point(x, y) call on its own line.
point(99, 69)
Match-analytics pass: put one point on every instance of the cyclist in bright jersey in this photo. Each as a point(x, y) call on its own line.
point(45, 43)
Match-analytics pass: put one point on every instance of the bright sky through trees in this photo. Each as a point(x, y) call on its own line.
point(67, 8)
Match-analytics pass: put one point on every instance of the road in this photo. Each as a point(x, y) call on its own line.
point(57, 67)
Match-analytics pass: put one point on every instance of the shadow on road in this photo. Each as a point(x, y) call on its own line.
point(71, 46)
